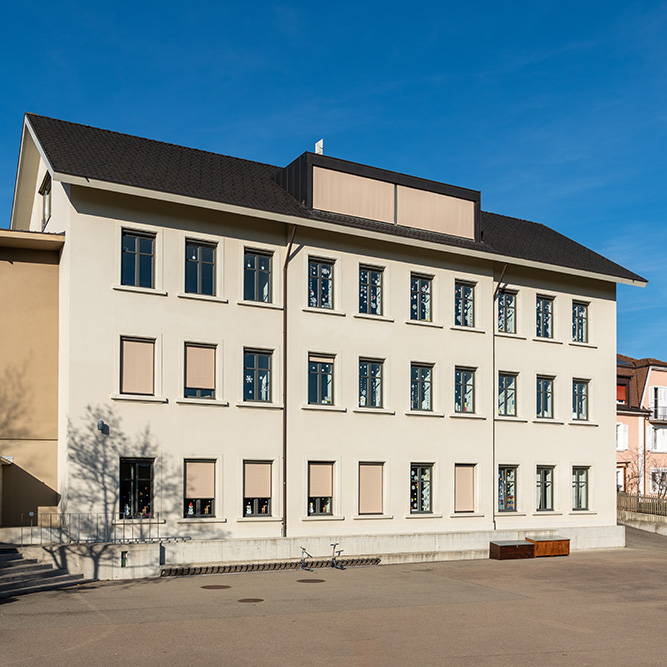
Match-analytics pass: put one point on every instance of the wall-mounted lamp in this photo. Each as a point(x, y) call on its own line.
point(101, 426)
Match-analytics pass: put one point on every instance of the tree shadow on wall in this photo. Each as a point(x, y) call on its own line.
point(14, 410)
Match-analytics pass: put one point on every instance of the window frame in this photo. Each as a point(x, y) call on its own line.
point(461, 388)
point(461, 298)
point(505, 392)
point(658, 487)
point(421, 309)
point(199, 263)
point(198, 390)
point(578, 485)
point(504, 505)
point(133, 506)
point(314, 504)
point(416, 401)
point(197, 505)
point(504, 308)
point(370, 393)
point(314, 298)
point(548, 412)
point(473, 468)
point(379, 291)
point(255, 377)
point(254, 502)
point(544, 328)
point(376, 464)
point(137, 235)
point(544, 487)
point(320, 360)
point(257, 253)
point(580, 399)
point(155, 379)
point(416, 485)
point(580, 321)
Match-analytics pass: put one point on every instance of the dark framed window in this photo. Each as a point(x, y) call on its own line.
point(45, 191)
point(200, 268)
point(579, 322)
point(256, 376)
point(370, 383)
point(199, 497)
point(421, 386)
point(257, 276)
point(199, 371)
point(320, 380)
point(421, 498)
point(545, 397)
point(579, 488)
point(544, 306)
point(370, 290)
point(507, 483)
point(420, 298)
point(545, 488)
point(507, 394)
point(464, 304)
point(320, 488)
point(320, 283)
point(138, 259)
point(580, 400)
point(136, 488)
point(507, 311)
point(257, 488)
point(464, 390)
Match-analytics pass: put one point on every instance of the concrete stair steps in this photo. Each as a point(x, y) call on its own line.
point(14, 562)
point(23, 570)
point(37, 585)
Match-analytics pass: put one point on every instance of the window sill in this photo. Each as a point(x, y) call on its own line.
point(259, 519)
point(323, 517)
point(575, 343)
point(138, 290)
point(547, 513)
point(424, 323)
point(423, 515)
point(505, 334)
point(202, 401)
point(374, 411)
point(323, 311)
point(326, 408)
point(363, 517)
point(201, 519)
point(423, 413)
point(259, 405)
point(466, 515)
point(460, 327)
point(259, 304)
point(547, 420)
point(544, 339)
point(581, 422)
point(137, 522)
point(201, 297)
point(582, 512)
point(139, 398)
point(509, 513)
point(504, 418)
point(377, 318)
point(466, 415)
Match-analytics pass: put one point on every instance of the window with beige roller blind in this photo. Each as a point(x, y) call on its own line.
point(137, 374)
point(320, 488)
point(370, 488)
point(199, 489)
point(257, 488)
point(199, 371)
point(464, 488)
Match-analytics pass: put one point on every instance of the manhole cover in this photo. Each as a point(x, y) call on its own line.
point(251, 600)
point(215, 587)
point(310, 581)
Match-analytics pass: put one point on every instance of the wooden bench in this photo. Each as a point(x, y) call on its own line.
point(508, 549)
point(550, 546)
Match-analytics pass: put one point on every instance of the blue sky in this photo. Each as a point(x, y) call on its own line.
point(556, 111)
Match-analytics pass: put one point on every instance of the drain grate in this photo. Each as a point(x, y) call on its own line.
point(310, 581)
point(251, 600)
point(215, 587)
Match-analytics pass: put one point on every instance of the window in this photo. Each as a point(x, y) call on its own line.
point(137, 360)
point(545, 488)
point(256, 376)
point(320, 488)
point(464, 488)
point(507, 311)
point(420, 298)
point(545, 309)
point(370, 383)
point(138, 259)
point(579, 488)
point(579, 400)
point(136, 488)
point(199, 498)
point(199, 268)
point(657, 403)
point(659, 439)
point(622, 392)
point(199, 371)
point(320, 380)
point(621, 436)
point(659, 481)
point(45, 191)
point(507, 394)
point(320, 283)
point(257, 276)
point(370, 488)
point(370, 290)
point(420, 488)
point(420, 387)
point(545, 397)
point(579, 322)
point(507, 478)
point(256, 488)
point(464, 390)
point(464, 304)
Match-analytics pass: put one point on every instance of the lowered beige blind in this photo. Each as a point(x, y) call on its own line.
point(199, 479)
point(320, 480)
point(257, 480)
point(199, 367)
point(370, 488)
point(137, 359)
point(316, 358)
point(464, 497)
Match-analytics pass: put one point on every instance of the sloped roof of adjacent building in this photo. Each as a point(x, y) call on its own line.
point(637, 370)
point(113, 157)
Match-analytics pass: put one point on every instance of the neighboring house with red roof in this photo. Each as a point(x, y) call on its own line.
point(641, 427)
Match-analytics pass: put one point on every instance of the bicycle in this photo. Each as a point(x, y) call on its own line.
point(304, 565)
point(334, 554)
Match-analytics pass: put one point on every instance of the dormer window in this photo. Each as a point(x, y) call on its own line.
point(45, 191)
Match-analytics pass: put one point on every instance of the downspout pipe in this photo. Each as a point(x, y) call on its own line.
point(285, 266)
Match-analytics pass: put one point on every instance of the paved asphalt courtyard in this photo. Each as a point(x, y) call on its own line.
point(592, 608)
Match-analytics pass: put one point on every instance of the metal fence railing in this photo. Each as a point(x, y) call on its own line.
point(631, 502)
point(659, 413)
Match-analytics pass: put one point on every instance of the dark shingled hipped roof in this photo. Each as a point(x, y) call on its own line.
point(89, 152)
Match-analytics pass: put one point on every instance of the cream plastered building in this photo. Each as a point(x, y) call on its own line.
point(325, 350)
